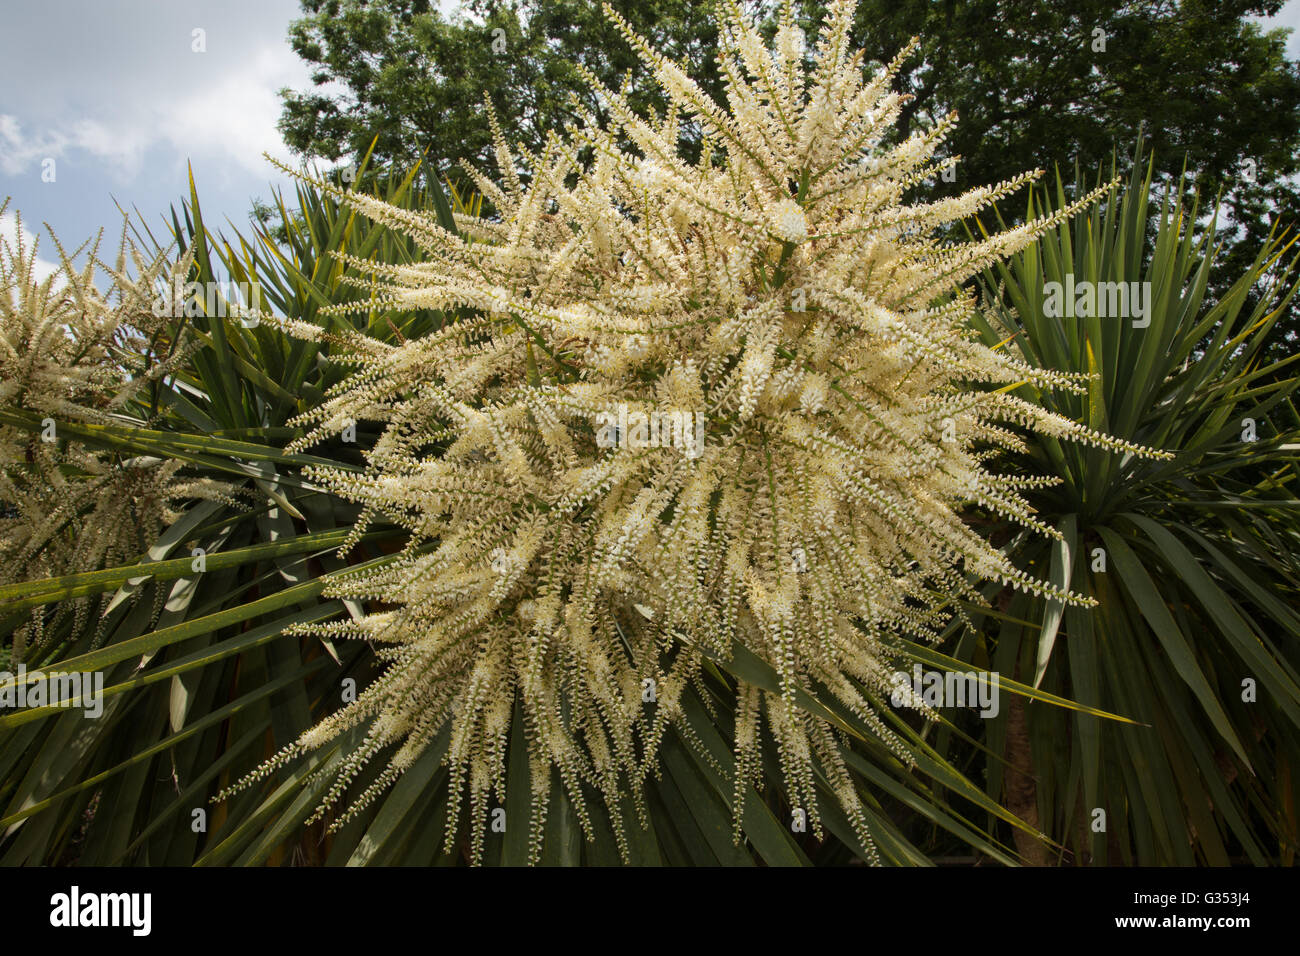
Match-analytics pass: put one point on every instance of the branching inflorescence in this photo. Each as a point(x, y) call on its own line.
point(777, 285)
point(73, 353)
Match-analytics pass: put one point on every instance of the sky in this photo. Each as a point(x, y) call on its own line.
point(115, 94)
point(112, 99)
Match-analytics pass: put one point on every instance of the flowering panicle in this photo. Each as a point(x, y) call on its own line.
point(779, 286)
point(74, 354)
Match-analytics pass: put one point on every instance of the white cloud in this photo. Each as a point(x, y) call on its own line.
point(235, 116)
point(18, 151)
point(221, 106)
point(119, 97)
point(122, 149)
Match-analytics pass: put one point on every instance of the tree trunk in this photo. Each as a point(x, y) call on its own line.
point(1019, 785)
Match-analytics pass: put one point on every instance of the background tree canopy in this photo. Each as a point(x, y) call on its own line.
point(1035, 83)
point(416, 80)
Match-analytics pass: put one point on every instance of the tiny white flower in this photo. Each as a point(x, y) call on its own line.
point(499, 298)
point(790, 222)
point(813, 396)
point(789, 43)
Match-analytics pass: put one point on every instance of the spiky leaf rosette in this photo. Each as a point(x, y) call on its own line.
point(779, 287)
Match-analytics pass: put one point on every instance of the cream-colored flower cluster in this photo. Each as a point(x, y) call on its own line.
point(72, 353)
point(777, 284)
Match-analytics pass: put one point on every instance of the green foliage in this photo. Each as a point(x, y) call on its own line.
point(1033, 85)
point(1193, 560)
point(415, 79)
point(1208, 88)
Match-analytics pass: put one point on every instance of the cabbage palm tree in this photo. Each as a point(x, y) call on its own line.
point(201, 685)
point(1193, 560)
